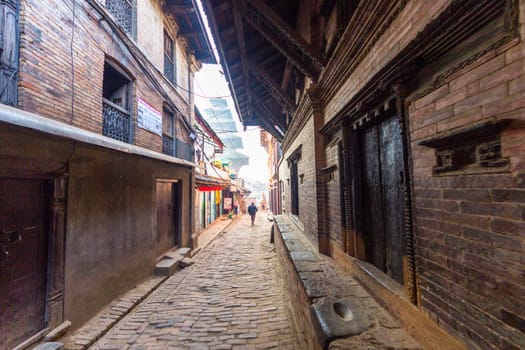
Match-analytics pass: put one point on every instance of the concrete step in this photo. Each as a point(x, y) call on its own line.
point(167, 266)
point(185, 252)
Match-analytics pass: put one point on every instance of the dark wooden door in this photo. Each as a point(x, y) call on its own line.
point(167, 216)
point(24, 208)
point(382, 164)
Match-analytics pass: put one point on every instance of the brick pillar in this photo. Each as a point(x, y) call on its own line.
point(320, 163)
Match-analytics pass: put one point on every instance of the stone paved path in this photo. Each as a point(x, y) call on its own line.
point(231, 298)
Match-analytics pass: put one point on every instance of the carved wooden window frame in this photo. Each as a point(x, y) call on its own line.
point(471, 150)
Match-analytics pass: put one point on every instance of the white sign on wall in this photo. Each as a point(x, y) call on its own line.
point(149, 118)
point(227, 203)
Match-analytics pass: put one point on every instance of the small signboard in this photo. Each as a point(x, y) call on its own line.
point(227, 203)
point(149, 118)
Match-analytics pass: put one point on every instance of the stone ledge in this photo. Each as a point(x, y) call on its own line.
point(331, 308)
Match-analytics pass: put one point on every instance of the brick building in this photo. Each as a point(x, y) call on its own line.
point(403, 154)
point(96, 152)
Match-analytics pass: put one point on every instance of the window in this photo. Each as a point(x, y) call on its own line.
point(122, 11)
point(294, 180)
point(169, 58)
point(168, 132)
point(8, 52)
point(116, 103)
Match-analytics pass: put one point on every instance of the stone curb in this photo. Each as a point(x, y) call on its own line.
point(99, 325)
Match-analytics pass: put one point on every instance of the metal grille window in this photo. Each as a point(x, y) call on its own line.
point(168, 133)
point(185, 151)
point(122, 11)
point(169, 58)
point(116, 121)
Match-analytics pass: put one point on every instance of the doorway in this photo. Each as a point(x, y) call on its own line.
point(168, 215)
point(24, 211)
point(382, 160)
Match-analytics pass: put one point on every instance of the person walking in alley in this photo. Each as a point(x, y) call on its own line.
point(252, 209)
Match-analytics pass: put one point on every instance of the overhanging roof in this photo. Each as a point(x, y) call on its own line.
point(191, 26)
point(263, 58)
point(15, 116)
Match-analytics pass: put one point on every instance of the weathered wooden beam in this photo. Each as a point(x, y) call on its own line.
point(286, 75)
point(171, 6)
point(271, 86)
point(263, 107)
point(242, 47)
point(266, 125)
point(286, 40)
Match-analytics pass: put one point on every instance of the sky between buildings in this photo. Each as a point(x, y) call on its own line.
point(211, 83)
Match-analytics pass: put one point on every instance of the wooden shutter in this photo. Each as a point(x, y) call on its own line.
point(9, 52)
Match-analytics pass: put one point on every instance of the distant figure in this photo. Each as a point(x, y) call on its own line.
point(252, 210)
point(236, 207)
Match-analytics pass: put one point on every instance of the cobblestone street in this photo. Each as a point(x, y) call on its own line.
point(231, 298)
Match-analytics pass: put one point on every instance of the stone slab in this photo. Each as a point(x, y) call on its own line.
point(294, 245)
point(303, 255)
point(49, 346)
point(185, 252)
point(166, 267)
point(339, 318)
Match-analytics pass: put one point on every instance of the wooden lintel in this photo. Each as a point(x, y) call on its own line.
point(181, 9)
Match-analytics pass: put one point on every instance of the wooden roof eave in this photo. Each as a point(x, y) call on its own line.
point(222, 57)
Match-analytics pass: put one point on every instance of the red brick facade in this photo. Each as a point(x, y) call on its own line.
point(62, 67)
point(469, 228)
point(467, 223)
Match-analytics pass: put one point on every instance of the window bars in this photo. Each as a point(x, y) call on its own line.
point(122, 11)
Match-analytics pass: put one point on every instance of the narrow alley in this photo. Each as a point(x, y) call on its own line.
point(231, 298)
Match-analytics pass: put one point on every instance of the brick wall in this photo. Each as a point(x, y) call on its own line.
point(61, 69)
point(307, 189)
point(470, 228)
point(295, 289)
point(412, 20)
point(333, 193)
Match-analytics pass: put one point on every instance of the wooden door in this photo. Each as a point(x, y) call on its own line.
point(167, 216)
point(24, 209)
point(382, 164)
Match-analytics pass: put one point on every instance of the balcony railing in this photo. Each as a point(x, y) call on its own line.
point(122, 10)
point(177, 148)
point(116, 122)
